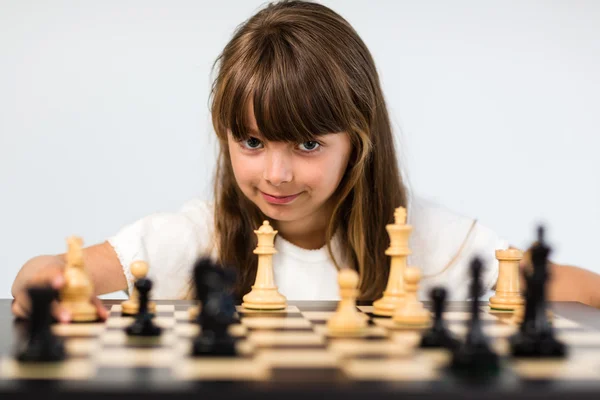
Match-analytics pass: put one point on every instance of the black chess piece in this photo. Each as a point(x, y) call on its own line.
point(143, 325)
point(217, 311)
point(438, 336)
point(535, 337)
point(42, 345)
point(474, 355)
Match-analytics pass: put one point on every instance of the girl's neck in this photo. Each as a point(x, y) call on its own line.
point(309, 232)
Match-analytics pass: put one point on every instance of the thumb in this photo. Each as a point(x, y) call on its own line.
point(102, 311)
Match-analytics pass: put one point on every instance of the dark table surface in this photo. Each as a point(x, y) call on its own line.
point(142, 385)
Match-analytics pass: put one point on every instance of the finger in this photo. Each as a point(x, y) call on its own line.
point(60, 313)
point(19, 310)
point(52, 275)
point(102, 311)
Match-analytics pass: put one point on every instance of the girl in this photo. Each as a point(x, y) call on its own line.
point(306, 143)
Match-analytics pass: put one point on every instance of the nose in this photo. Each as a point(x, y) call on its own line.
point(278, 168)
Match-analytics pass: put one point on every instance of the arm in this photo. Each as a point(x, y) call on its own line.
point(569, 283)
point(101, 262)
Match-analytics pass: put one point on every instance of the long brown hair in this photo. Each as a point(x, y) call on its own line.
point(307, 72)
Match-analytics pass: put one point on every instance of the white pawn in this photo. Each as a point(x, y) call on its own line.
point(139, 269)
point(347, 320)
point(412, 312)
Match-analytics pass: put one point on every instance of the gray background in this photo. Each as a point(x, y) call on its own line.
point(104, 113)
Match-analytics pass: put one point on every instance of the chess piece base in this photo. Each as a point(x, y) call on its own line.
point(143, 327)
point(209, 345)
point(81, 312)
point(38, 351)
point(129, 307)
point(474, 359)
point(519, 314)
point(506, 303)
point(385, 306)
point(343, 328)
point(536, 346)
point(416, 319)
point(264, 299)
point(438, 339)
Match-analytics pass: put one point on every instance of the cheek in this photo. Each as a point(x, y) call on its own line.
point(246, 169)
point(323, 177)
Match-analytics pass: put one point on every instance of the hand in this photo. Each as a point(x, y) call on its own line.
point(53, 275)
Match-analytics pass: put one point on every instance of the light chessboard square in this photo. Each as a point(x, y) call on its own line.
point(75, 369)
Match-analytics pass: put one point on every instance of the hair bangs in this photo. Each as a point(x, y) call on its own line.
point(290, 100)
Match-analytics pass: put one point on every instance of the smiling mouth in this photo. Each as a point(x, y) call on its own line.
point(279, 199)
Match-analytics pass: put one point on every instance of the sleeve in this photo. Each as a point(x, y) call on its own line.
point(169, 242)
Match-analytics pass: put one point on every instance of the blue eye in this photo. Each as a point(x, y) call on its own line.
point(252, 143)
point(310, 146)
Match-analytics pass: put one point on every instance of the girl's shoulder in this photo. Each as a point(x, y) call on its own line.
point(443, 243)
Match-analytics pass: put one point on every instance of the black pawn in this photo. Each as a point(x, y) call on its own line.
point(143, 325)
point(42, 345)
point(438, 336)
point(217, 310)
point(475, 355)
point(535, 337)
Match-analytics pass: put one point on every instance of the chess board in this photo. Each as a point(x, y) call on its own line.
point(289, 352)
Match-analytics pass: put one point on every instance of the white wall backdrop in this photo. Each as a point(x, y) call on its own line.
point(104, 113)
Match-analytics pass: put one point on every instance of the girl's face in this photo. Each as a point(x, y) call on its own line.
point(290, 181)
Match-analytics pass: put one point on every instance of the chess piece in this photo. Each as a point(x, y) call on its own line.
point(535, 337)
point(139, 269)
point(217, 311)
point(264, 294)
point(519, 314)
point(393, 295)
point(474, 355)
point(508, 294)
point(347, 320)
point(42, 345)
point(438, 336)
point(143, 325)
point(76, 294)
point(412, 312)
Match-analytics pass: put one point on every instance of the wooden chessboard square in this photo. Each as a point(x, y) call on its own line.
point(79, 329)
point(276, 323)
point(81, 347)
point(165, 308)
point(585, 367)
point(494, 331)
point(243, 348)
point(393, 369)
point(286, 339)
point(562, 323)
point(297, 358)
point(134, 357)
point(318, 316)
point(371, 332)
point(579, 338)
point(358, 348)
point(70, 369)
point(460, 316)
point(191, 330)
point(221, 369)
point(389, 323)
point(119, 338)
